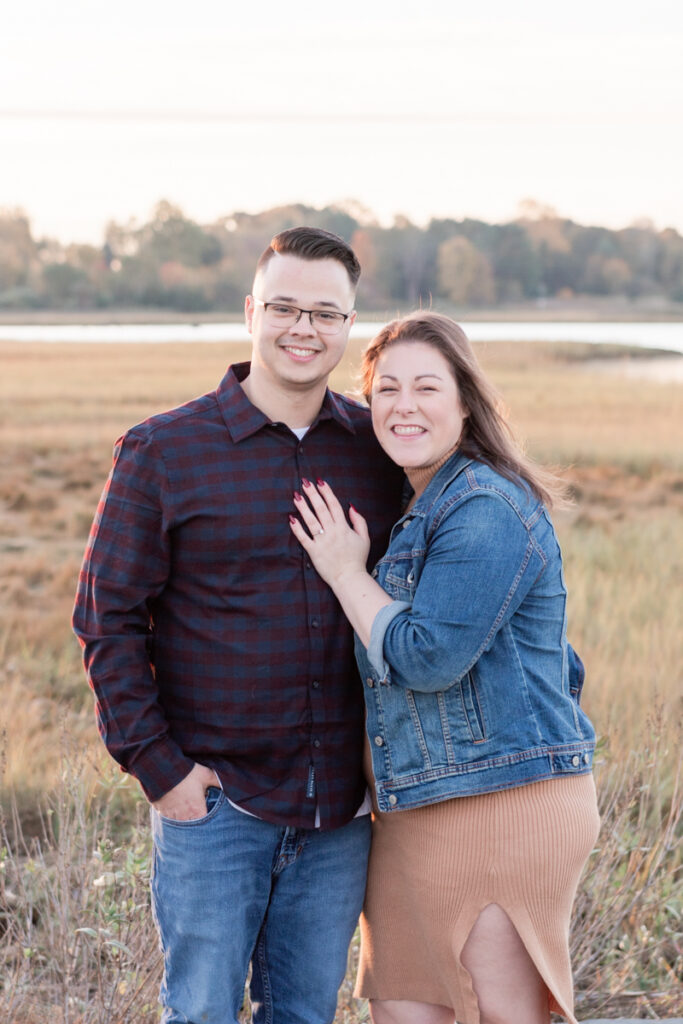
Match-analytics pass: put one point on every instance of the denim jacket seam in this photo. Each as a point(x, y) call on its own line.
point(499, 761)
point(477, 488)
point(501, 613)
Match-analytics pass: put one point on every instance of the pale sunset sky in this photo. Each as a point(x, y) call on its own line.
point(437, 109)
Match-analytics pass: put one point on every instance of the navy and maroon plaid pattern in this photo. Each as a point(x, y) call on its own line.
point(207, 635)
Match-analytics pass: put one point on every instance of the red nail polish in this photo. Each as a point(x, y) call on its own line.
point(320, 483)
point(353, 509)
point(292, 520)
point(298, 497)
point(305, 482)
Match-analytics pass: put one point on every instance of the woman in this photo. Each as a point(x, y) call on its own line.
point(478, 751)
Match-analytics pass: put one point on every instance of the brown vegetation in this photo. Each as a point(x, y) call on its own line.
point(76, 942)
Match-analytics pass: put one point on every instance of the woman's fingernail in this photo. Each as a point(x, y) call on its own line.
point(353, 509)
point(292, 520)
point(305, 482)
point(320, 483)
point(298, 497)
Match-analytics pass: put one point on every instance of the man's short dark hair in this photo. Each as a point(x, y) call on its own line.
point(312, 244)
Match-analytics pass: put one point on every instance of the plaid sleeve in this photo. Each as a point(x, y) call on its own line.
point(125, 567)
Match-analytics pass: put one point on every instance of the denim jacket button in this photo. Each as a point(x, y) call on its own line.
point(379, 742)
point(393, 799)
point(406, 524)
point(370, 681)
point(586, 759)
point(576, 760)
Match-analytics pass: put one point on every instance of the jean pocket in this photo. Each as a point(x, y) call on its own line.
point(214, 798)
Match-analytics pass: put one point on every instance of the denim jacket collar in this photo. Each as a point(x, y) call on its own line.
point(439, 482)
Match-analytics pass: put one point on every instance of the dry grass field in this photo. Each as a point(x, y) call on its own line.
point(75, 941)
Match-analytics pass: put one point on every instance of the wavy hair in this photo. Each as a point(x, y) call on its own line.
point(486, 434)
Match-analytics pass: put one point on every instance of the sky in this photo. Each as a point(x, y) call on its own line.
point(437, 109)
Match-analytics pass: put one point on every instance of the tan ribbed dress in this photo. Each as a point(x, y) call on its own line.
point(434, 869)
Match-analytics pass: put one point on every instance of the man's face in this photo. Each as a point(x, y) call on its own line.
point(298, 358)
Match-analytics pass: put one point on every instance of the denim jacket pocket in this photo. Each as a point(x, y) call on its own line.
point(472, 708)
point(400, 582)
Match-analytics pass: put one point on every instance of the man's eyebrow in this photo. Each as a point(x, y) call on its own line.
point(293, 302)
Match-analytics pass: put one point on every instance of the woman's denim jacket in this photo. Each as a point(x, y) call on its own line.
point(469, 681)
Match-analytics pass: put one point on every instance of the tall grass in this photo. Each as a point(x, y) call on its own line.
point(77, 944)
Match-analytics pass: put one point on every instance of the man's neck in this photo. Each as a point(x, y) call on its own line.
point(294, 408)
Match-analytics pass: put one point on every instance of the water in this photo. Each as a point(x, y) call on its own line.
point(667, 336)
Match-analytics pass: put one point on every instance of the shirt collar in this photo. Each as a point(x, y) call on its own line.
point(243, 419)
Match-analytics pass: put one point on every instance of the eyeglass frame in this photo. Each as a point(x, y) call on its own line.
point(310, 312)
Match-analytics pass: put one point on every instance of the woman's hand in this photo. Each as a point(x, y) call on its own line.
point(340, 553)
point(335, 548)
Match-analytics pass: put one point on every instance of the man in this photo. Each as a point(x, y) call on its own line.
point(222, 665)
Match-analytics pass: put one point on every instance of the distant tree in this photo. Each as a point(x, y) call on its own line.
point(639, 246)
point(616, 275)
point(18, 250)
point(170, 236)
point(67, 287)
point(670, 264)
point(515, 263)
point(464, 273)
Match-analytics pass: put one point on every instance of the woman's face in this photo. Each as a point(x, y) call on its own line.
point(417, 414)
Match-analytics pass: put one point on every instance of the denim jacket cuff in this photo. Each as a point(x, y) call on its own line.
point(377, 632)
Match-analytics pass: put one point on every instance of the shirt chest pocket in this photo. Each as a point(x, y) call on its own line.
point(400, 581)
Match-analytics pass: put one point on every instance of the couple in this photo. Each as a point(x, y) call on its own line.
point(216, 639)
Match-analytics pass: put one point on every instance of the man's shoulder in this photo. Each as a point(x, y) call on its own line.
point(177, 421)
point(358, 413)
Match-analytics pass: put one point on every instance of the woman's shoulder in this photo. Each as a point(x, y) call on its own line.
point(479, 480)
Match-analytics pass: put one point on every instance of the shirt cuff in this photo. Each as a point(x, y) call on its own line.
point(377, 632)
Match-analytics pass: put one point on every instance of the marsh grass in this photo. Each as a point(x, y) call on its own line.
point(76, 939)
point(77, 943)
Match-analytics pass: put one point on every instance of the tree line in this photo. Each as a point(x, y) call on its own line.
point(173, 262)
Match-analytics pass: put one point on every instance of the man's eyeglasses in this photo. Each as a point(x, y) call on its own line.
point(324, 321)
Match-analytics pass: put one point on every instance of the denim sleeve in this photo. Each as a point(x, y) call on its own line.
point(125, 567)
point(479, 565)
point(377, 633)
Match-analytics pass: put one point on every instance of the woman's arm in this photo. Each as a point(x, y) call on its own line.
point(480, 564)
point(339, 553)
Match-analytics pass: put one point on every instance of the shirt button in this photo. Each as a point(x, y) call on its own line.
point(314, 623)
point(393, 799)
point(308, 565)
point(315, 684)
point(379, 742)
point(370, 681)
point(407, 524)
point(586, 759)
point(316, 743)
point(576, 760)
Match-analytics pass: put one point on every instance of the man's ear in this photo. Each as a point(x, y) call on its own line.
point(249, 307)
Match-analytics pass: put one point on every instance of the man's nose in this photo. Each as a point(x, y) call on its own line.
point(303, 328)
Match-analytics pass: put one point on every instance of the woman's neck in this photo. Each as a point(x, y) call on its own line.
point(419, 476)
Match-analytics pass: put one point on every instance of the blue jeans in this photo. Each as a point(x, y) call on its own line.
point(229, 889)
